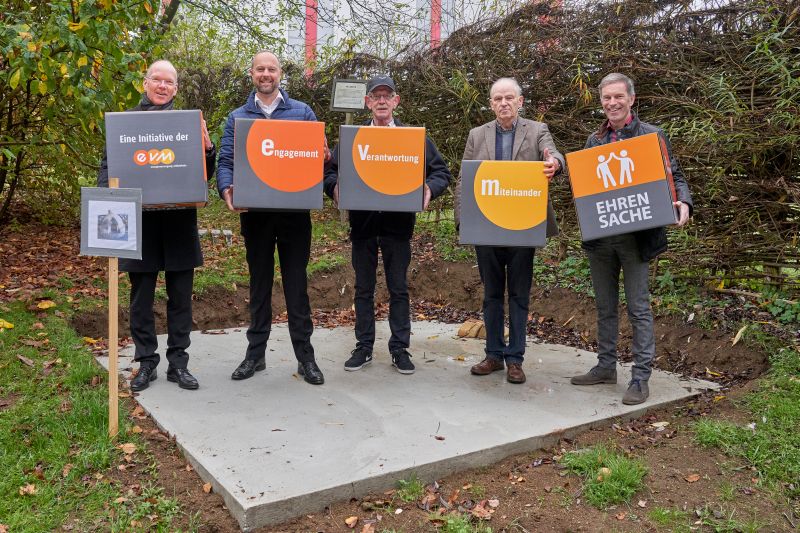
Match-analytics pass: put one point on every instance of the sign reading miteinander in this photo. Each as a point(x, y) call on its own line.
point(160, 153)
point(503, 203)
point(278, 164)
point(381, 168)
point(622, 187)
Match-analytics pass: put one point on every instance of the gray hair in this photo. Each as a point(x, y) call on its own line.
point(512, 81)
point(616, 77)
point(161, 63)
point(265, 51)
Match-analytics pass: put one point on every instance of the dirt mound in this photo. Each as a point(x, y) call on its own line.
point(451, 292)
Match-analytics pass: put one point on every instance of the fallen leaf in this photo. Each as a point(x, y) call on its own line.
point(738, 336)
point(67, 469)
point(207, 488)
point(3, 528)
point(35, 325)
point(89, 340)
point(45, 304)
point(128, 448)
point(138, 412)
point(25, 360)
point(438, 437)
point(467, 486)
point(621, 516)
point(494, 503)
point(692, 478)
point(121, 500)
point(136, 429)
point(460, 358)
point(189, 468)
point(28, 489)
point(603, 474)
point(5, 325)
point(398, 511)
point(351, 521)
point(642, 503)
point(368, 528)
point(660, 424)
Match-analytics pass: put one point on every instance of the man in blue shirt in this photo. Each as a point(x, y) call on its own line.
point(290, 231)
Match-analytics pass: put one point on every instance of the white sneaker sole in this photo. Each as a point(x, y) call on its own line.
point(355, 368)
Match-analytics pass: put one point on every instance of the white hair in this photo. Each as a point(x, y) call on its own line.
point(502, 81)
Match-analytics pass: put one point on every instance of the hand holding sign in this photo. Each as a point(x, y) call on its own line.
point(426, 199)
point(683, 210)
point(207, 144)
point(551, 164)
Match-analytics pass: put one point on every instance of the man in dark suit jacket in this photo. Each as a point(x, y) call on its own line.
point(508, 137)
point(169, 243)
point(391, 233)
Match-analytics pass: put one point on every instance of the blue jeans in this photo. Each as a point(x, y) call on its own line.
point(501, 267)
point(611, 255)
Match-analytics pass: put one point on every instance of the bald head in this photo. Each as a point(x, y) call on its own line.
point(162, 65)
point(265, 53)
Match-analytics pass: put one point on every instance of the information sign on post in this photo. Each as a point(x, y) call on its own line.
point(348, 95)
point(111, 226)
point(503, 203)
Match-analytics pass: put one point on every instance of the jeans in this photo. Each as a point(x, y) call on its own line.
point(610, 256)
point(501, 267)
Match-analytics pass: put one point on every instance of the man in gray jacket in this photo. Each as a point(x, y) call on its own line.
point(631, 253)
point(512, 138)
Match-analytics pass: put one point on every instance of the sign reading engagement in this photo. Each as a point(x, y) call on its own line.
point(622, 187)
point(503, 203)
point(381, 168)
point(278, 164)
point(161, 153)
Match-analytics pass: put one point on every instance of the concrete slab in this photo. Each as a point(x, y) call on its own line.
point(276, 447)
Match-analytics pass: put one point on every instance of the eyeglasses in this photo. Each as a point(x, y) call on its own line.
point(166, 83)
point(379, 97)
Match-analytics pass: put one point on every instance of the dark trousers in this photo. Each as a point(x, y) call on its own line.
point(396, 258)
point(501, 267)
point(179, 316)
point(291, 232)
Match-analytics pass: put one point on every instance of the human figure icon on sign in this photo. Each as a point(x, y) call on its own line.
point(626, 166)
point(603, 172)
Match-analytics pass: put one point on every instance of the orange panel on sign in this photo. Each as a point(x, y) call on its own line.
point(286, 155)
point(616, 165)
point(390, 160)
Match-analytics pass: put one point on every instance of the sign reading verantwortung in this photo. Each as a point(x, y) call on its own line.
point(503, 203)
point(278, 164)
point(159, 152)
point(622, 187)
point(381, 168)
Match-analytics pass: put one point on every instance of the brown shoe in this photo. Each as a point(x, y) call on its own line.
point(487, 366)
point(515, 373)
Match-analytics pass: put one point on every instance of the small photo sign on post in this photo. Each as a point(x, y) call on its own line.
point(381, 168)
point(348, 95)
point(111, 222)
point(160, 153)
point(278, 164)
point(503, 203)
point(622, 187)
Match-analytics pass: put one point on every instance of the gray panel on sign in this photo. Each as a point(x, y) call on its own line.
point(250, 192)
point(655, 196)
point(180, 182)
point(111, 222)
point(475, 228)
point(354, 194)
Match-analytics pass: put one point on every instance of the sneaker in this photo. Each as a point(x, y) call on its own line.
point(638, 391)
point(596, 376)
point(401, 360)
point(359, 358)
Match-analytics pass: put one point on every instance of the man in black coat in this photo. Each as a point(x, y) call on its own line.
point(169, 243)
point(391, 233)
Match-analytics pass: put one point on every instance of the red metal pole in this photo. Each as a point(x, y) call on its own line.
point(436, 23)
point(311, 36)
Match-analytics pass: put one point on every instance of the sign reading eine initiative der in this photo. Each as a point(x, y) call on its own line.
point(161, 153)
point(278, 164)
point(503, 203)
point(381, 168)
point(622, 187)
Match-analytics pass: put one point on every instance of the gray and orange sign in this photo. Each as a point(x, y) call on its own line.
point(503, 203)
point(381, 168)
point(622, 187)
point(278, 164)
point(160, 153)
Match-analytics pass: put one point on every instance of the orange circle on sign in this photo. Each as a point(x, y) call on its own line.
point(513, 197)
point(287, 155)
point(140, 157)
point(390, 160)
point(167, 156)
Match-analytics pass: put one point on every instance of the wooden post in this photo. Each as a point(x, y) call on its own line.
point(113, 334)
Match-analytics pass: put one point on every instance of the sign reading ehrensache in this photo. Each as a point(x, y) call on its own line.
point(160, 152)
point(278, 164)
point(503, 203)
point(622, 187)
point(381, 168)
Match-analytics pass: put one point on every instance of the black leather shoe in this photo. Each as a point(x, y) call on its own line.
point(248, 367)
point(142, 380)
point(183, 378)
point(311, 372)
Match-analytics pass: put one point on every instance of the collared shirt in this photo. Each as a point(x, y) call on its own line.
point(268, 109)
point(608, 129)
point(391, 123)
point(504, 142)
